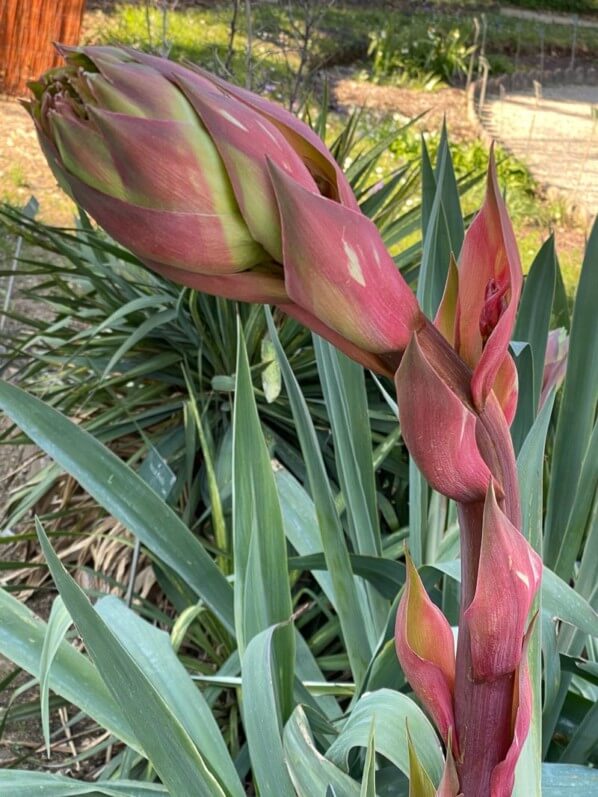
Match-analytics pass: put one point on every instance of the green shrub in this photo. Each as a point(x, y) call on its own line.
point(428, 55)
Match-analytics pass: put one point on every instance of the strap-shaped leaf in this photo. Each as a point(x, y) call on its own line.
point(533, 317)
point(578, 405)
point(312, 774)
point(262, 715)
point(346, 404)
point(171, 751)
point(122, 493)
point(72, 675)
point(152, 651)
point(348, 606)
point(22, 783)
point(391, 713)
point(530, 466)
point(262, 590)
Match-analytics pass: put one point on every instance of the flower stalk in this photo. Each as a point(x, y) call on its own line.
point(222, 191)
point(459, 380)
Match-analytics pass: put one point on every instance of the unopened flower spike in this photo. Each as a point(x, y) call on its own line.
point(223, 191)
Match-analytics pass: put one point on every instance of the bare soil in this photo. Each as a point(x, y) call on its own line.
point(433, 106)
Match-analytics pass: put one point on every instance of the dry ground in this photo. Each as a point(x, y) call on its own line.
point(433, 106)
point(23, 168)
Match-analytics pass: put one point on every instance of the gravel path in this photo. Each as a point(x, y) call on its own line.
point(556, 135)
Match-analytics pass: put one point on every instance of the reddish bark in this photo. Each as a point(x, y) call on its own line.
point(27, 30)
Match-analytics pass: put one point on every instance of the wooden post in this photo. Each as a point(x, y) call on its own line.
point(27, 30)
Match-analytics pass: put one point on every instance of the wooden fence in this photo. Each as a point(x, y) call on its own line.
point(27, 30)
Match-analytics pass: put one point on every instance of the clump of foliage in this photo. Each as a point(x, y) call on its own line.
point(430, 57)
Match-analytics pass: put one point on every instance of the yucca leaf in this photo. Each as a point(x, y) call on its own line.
point(386, 575)
point(535, 308)
point(530, 468)
point(122, 493)
point(343, 386)
point(391, 712)
point(262, 591)
point(310, 772)
point(525, 414)
point(451, 202)
point(152, 651)
point(420, 784)
point(72, 675)
point(585, 739)
point(580, 519)
point(301, 528)
point(552, 663)
point(58, 624)
point(559, 780)
point(578, 404)
point(428, 187)
point(368, 778)
point(262, 715)
point(172, 752)
point(334, 545)
point(435, 255)
point(23, 783)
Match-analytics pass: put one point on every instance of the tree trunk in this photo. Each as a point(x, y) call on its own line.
point(27, 30)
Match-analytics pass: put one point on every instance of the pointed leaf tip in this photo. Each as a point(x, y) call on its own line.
point(509, 575)
point(337, 268)
point(420, 783)
point(425, 649)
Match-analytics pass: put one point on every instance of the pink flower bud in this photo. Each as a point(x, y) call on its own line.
point(324, 169)
point(555, 362)
point(202, 180)
point(425, 649)
point(246, 142)
point(509, 575)
point(338, 269)
point(439, 429)
point(477, 316)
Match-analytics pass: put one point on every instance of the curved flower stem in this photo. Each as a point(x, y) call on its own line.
point(483, 709)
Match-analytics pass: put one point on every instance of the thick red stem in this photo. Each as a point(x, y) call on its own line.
point(483, 709)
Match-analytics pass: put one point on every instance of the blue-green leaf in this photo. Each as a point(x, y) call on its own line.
point(172, 752)
point(124, 494)
point(391, 712)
